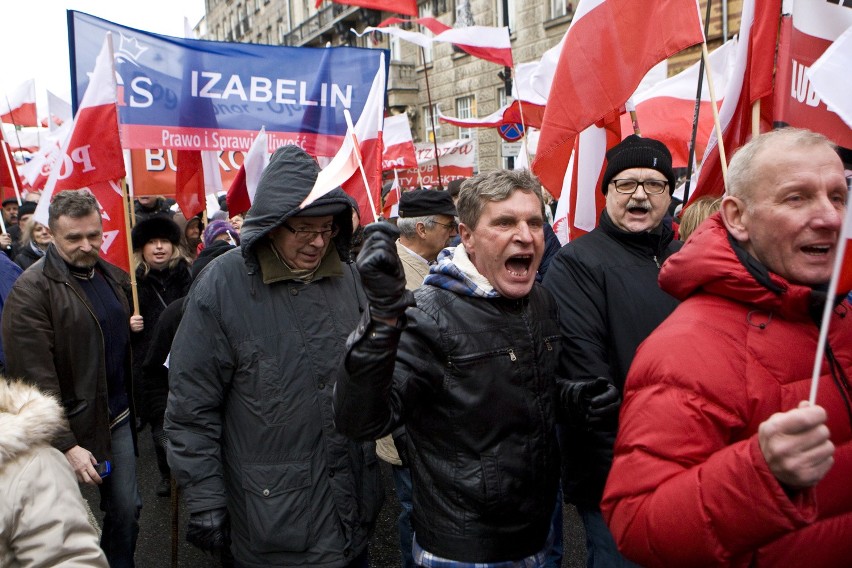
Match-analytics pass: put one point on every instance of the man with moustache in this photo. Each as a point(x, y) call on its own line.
point(65, 330)
point(605, 284)
point(719, 460)
point(469, 371)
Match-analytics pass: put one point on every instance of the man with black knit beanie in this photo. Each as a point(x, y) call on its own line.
point(605, 284)
point(75, 309)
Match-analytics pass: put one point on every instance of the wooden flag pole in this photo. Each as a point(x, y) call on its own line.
point(720, 143)
point(755, 119)
point(129, 248)
point(351, 131)
point(691, 158)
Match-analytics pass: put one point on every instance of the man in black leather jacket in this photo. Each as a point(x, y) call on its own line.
point(470, 372)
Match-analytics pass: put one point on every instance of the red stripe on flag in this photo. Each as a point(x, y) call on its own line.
point(189, 183)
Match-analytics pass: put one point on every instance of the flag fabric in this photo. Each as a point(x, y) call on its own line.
point(241, 193)
point(399, 143)
point(491, 121)
point(407, 7)
point(831, 77)
point(189, 183)
point(485, 42)
point(392, 198)
point(10, 180)
point(750, 81)
point(362, 143)
point(606, 53)
point(58, 112)
point(844, 281)
point(19, 106)
point(666, 110)
point(91, 157)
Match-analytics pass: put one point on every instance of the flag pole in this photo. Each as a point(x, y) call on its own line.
point(521, 111)
point(829, 306)
point(15, 124)
point(755, 118)
point(691, 159)
point(720, 143)
point(634, 118)
point(130, 260)
point(431, 117)
point(351, 131)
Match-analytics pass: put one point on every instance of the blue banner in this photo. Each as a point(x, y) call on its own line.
point(206, 95)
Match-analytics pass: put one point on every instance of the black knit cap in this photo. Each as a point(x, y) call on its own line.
point(637, 152)
point(155, 228)
point(425, 202)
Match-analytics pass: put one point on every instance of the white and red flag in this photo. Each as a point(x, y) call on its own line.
point(485, 42)
point(831, 77)
point(58, 112)
point(407, 7)
point(10, 180)
point(197, 176)
point(91, 157)
point(19, 105)
point(750, 81)
point(606, 52)
point(666, 110)
point(399, 144)
point(362, 146)
point(241, 193)
point(392, 198)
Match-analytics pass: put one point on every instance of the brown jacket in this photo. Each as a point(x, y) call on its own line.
point(53, 340)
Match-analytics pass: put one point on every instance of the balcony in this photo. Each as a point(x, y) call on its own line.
point(321, 24)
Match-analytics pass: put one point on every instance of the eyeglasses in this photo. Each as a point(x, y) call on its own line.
point(451, 226)
point(306, 236)
point(651, 186)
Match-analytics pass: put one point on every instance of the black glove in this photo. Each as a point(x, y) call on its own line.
point(598, 401)
point(209, 530)
point(381, 272)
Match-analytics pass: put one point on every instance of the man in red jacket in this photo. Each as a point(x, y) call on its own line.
point(718, 461)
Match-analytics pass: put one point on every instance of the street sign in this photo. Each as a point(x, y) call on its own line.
point(511, 132)
point(511, 149)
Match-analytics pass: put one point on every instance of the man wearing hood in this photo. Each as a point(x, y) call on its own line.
point(252, 368)
point(470, 372)
point(718, 461)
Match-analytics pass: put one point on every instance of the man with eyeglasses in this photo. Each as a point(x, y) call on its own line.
point(252, 369)
point(605, 284)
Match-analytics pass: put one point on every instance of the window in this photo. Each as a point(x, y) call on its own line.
point(465, 108)
point(560, 8)
point(282, 32)
point(427, 123)
point(426, 12)
point(395, 48)
point(506, 14)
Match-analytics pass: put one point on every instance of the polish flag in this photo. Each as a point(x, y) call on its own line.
point(407, 7)
point(844, 251)
point(484, 42)
point(58, 112)
point(19, 106)
point(91, 157)
point(241, 193)
point(362, 144)
point(607, 51)
point(392, 198)
point(666, 110)
point(750, 81)
point(831, 77)
point(10, 180)
point(491, 121)
point(197, 176)
point(399, 144)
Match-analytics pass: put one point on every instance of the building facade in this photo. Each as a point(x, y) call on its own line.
point(459, 84)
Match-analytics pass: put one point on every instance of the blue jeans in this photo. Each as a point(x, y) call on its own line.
point(402, 482)
point(120, 502)
point(557, 549)
point(601, 548)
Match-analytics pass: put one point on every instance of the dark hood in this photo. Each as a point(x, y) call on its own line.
point(284, 184)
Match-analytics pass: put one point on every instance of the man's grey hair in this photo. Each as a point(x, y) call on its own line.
point(743, 173)
point(498, 185)
point(408, 225)
point(76, 204)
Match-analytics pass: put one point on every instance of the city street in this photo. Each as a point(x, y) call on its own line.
point(154, 545)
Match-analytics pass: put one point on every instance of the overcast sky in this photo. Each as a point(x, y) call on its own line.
point(34, 36)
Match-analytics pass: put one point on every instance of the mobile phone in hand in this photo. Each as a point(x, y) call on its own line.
point(104, 468)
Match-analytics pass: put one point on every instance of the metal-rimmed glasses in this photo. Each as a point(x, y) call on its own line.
point(651, 186)
point(451, 226)
point(307, 236)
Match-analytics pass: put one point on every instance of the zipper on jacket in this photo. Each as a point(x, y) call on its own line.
point(547, 343)
point(657, 262)
point(512, 356)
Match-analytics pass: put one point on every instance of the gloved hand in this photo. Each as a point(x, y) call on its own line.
point(209, 530)
point(598, 400)
point(381, 272)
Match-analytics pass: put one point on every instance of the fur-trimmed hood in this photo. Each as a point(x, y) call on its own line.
point(28, 419)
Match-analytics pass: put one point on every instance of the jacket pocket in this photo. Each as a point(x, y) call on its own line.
point(278, 394)
point(278, 506)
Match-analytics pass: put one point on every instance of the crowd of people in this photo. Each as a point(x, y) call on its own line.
point(652, 373)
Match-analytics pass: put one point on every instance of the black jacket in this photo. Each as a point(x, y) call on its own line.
point(249, 414)
point(26, 256)
point(473, 381)
point(605, 284)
